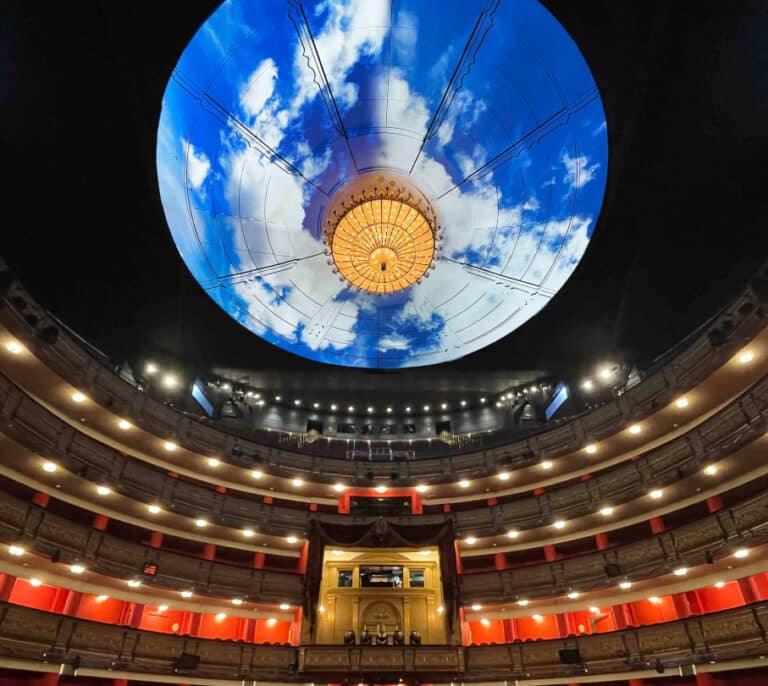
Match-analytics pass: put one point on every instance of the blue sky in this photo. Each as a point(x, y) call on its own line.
point(489, 107)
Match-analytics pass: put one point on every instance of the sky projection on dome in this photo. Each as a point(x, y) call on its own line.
point(487, 107)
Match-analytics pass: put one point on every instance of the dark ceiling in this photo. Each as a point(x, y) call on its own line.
point(685, 88)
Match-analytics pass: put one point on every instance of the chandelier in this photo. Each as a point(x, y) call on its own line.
point(382, 235)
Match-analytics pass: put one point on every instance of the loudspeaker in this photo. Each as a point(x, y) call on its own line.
point(687, 670)
point(709, 556)
point(570, 656)
point(612, 569)
point(660, 667)
point(187, 661)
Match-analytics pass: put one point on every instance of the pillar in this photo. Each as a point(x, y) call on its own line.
point(41, 499)
point(209, 551)
point(100, 522)
point(134, 618)
point(715, 503)
point(258, 560)
point(657, 525)
point(601, 541)
point(72, 603)
point(6, 586)
point(682, 606)
point(156, 539)
point(301, 563)
point(749, 590)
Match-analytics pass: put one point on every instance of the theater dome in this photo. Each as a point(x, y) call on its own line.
point(464, 153)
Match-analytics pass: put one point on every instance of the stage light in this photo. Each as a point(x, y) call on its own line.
point(681, 403)
point(590, 448)
point(49, 467)
point(124, 425)
point(78, 397)
point(14, 347)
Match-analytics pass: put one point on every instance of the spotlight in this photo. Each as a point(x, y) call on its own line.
point(587, 384)
point(681, 403)
point(656, 493)
point(559, 524)
point(124, 425)
point(513, 533)
point(464, 483)
point(78, 397)
point(249, 533)
point(741, 553)
point(49, 467)
point(201, 523)
point(16, 550)
point(470, 540)
point(746, 357)
point(169, 381)
point(14, 347)
point(625, 585)
point(339, 488)
point(590, 449)
point(635, 429)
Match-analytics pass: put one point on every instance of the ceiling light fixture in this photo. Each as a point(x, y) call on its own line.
point(249, 533)
point(573, 595)
point(710, 470)
point(546, 464)
point(103, 490)
point(298, 483)
point(76, 568)
point(625, 585)
point(503, 476)
point(291, 539)
point(257, 473)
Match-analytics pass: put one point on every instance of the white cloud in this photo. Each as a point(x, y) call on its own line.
point(578, 171)
point(393, 341)
point(259, 88)
point(198, 166)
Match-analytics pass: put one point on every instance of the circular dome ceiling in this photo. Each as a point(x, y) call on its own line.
point(381, 183)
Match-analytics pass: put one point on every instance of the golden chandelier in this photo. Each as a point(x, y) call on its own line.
point(382, 238)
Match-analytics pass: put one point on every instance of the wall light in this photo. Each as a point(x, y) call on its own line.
point(741, 553)
point(339, 488)
point(381, 489)
point(746, 357)
point(680, 571)
point(285, 606)
point(14, 347)
point(134, 583)
point(186, 594)
point(546, 464)
point(464, 483)
point(513, 533)
point(559, 524)
point(422, 488)
point(170, 446)
point(201, 523)
point(77, 568)
point(625, 585)
point(298, 483)
point(573, 595)
point(635, 429)
point(214, 462)
point(103, 490)
point(681, 403)
point(656, 493)
point(710, 470)
point(470, 540)
point(606, 511)
point(49, 467)
point(257, 473)
point(590, 448)
point(16, 550)
point(291, 539)
point(503, 476)
point(124, 425)
point(249, 533)
point(78, 397)
point(476, 607)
